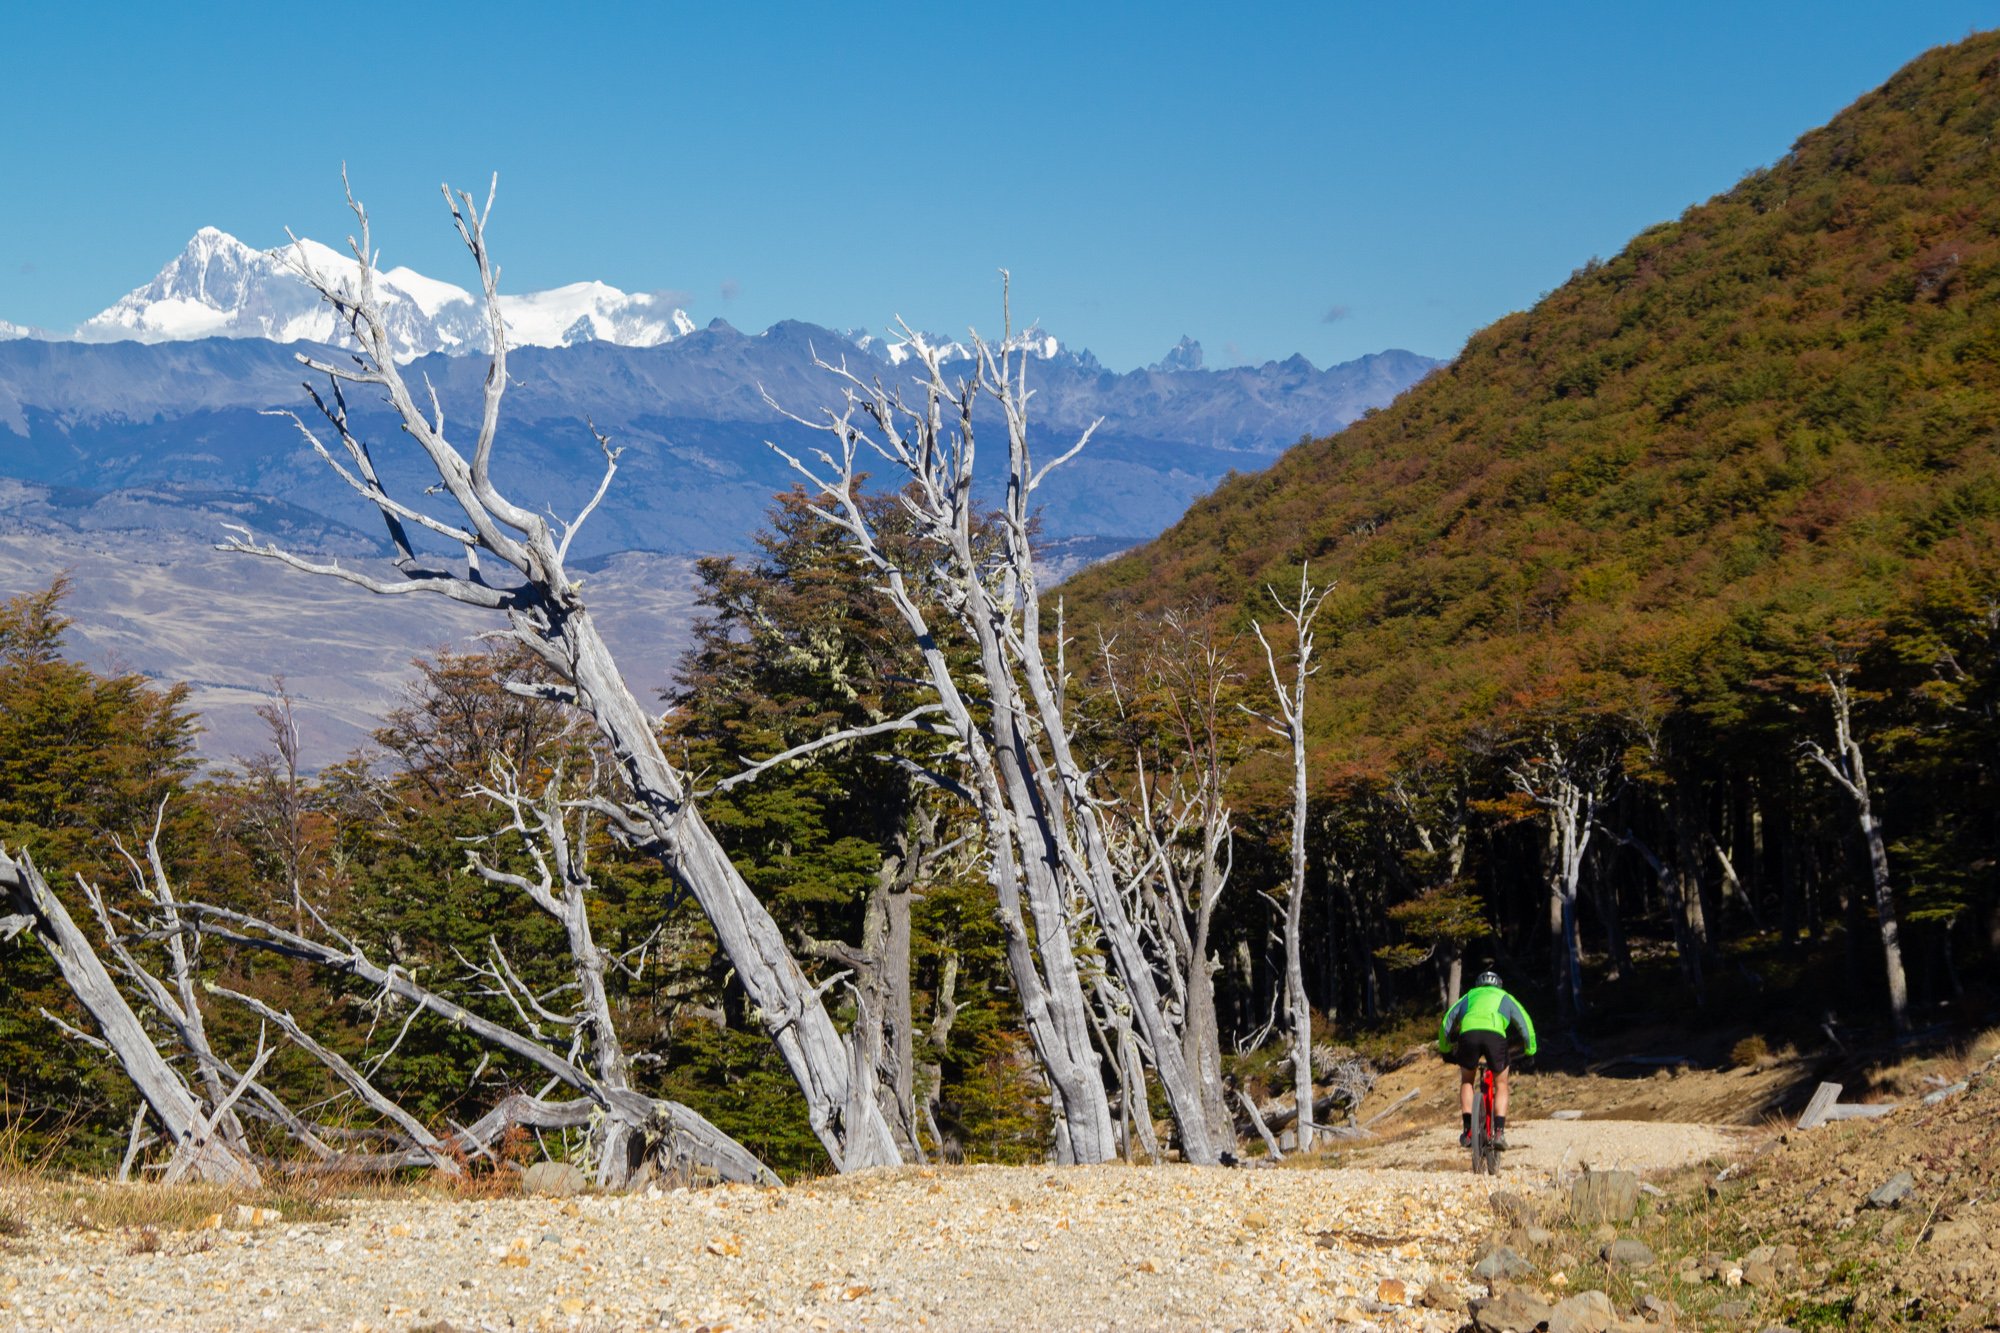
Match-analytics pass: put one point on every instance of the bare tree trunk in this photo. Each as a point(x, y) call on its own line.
point(901, 1089)
point(1848, 767)
point(182, 1008)
point(937, 1041)
point(1617, 955)
point(1569, 780)
point(1292, 726)
point(1670, 886)
point(631, 1126)
point(1200, 1037)
point(1558, 969)
point(547, 615)
point(1685, 888)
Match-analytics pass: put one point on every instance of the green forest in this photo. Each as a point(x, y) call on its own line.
point(1657, 666)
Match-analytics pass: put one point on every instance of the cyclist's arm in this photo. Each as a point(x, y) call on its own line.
point(1448, 1026)
point(1511, 1010)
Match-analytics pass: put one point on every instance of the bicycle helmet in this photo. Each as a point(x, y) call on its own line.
point(1487, 978)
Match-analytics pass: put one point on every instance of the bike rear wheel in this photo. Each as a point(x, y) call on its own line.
point(1478, 1126)
point(1485, 1157)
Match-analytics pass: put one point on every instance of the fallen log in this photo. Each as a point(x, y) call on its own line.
point(1826, 1105)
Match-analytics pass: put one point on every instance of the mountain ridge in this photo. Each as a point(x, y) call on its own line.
point(192, 413)
point(219, 286)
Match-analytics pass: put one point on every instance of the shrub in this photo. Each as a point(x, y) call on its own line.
point(1749, 1053)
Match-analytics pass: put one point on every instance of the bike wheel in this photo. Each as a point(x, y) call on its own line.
point(1479, 1146)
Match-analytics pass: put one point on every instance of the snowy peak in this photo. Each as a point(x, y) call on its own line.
point(593, 312)
point(218, 287)
point(1185, 355)
point(213, 283)
point(1031, 342)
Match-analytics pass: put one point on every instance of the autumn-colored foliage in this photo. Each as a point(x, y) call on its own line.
point(1650, 496)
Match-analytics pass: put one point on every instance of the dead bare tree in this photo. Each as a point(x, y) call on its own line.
point(559, 887)
point(878, 971)
point(202, 1149)
point(1848, 767)
point(1569, 775)
point(1440, 826)
point(641, 1130)
point(1050, 851)
point(1290, 723)
point(1173, 840)
point(546, 614)
point(634, 1134)
point(277, 811)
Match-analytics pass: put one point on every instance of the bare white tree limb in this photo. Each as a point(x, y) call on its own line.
point(546, 614)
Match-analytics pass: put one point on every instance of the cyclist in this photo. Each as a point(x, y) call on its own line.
point(1481, 1024)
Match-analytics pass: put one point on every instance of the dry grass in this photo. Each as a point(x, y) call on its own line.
point(1749, 1053)
point(107, 1205)
point(33, 1194)
point(1983, 1049)
point(1917, 1075)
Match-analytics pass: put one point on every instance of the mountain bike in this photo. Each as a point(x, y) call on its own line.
point(1485, 1157)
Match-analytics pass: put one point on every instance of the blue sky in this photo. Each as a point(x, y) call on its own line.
point(1327, 179)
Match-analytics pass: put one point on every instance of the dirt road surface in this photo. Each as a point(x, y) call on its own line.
point(952, 1248)
point(1542, 1150)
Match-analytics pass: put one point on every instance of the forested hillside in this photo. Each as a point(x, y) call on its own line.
point(1729, 495)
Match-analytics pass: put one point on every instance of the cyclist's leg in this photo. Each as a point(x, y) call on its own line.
point(1501, 1058)
point(1467, 1061)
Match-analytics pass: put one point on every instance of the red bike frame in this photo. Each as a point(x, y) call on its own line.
point(1485, 1157)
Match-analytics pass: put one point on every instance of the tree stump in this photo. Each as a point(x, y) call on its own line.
point(1604, 1196)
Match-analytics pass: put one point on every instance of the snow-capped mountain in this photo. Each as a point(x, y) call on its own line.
point(1183, 355)
point(898, 348)
point(218, 287)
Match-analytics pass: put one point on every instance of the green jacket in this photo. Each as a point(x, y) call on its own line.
point(1486, 1009)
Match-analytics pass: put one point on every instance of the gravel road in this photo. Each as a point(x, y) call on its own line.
point(1543, 1149)
point(952, 1248)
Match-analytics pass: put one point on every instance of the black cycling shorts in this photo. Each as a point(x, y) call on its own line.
point(1472, 1045)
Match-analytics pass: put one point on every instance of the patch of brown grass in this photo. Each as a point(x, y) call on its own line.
point(1750, 1052)
point(100, 1203)
point(1983, 1049)
point(109, 1205)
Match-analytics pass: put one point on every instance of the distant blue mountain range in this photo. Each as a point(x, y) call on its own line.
point(189, 418)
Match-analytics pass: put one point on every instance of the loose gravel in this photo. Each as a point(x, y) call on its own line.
point(955, 1248)
point(947, 1248)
